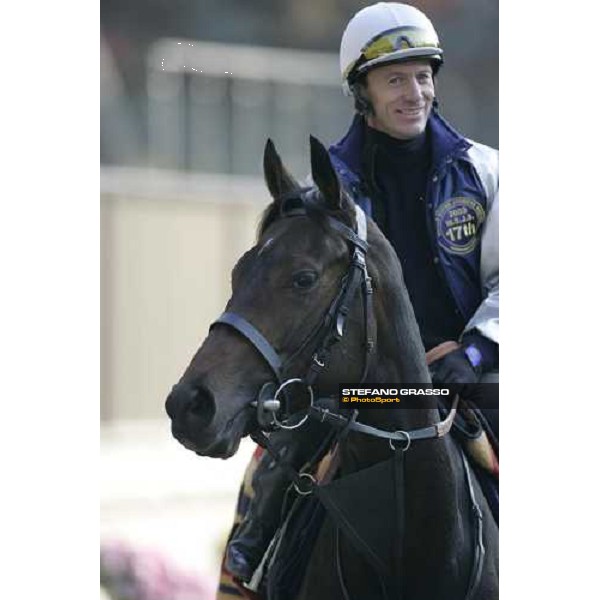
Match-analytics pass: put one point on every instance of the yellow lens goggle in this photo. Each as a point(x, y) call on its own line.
point(403, 38)
point(396, 40)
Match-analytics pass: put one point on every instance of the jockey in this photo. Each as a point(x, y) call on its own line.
point(434, 194)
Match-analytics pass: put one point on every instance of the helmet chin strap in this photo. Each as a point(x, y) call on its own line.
point(362, 104)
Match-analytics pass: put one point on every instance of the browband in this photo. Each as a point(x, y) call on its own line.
point(298, 208)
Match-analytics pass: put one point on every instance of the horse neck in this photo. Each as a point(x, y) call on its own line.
point(400, 355)
point(390, 367)
point(434, 476)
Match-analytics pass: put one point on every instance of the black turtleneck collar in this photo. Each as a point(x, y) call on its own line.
point(383, 153)
point(396, 149)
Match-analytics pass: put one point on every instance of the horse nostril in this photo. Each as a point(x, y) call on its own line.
point(191, 405)
point(179, 400)
point(203, 406)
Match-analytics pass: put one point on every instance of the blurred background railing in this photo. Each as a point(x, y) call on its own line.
point(211, 106)
point(190, 93)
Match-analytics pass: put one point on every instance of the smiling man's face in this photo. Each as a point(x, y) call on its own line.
point(402, 96)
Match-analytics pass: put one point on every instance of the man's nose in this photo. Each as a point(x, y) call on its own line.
point(412, 90)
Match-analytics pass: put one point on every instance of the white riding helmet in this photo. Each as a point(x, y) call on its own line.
point(386, 32)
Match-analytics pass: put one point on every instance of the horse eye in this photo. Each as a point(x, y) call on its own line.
point(304, 279)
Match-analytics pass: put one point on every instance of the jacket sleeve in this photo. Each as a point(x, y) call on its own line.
point(486, 317)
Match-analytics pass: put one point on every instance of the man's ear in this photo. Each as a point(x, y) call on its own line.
point(278, 180)
point(324, 175)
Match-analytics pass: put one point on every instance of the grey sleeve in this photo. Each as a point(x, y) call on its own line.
point(486, 317)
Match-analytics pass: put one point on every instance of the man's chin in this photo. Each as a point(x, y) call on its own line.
point(410, 130)
point(400, 128)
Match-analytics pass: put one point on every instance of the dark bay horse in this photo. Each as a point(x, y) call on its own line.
point(306, 305)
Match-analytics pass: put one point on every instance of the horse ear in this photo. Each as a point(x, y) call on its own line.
point(324, 174)
point(278, 180)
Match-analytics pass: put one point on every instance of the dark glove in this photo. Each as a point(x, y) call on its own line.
point(455, 367)
point(462, 368)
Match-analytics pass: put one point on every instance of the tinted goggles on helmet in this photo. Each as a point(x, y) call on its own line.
point(402, 42)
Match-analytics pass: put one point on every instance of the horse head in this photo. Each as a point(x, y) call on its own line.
point(282, 291)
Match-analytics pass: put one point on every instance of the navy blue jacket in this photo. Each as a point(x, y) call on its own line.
point(462, 188)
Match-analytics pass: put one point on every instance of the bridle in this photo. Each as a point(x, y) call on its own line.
point(330, 333)
point(333, 326)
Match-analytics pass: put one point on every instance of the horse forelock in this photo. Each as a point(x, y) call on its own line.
point(313, 204)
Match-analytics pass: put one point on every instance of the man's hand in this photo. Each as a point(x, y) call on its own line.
point(454, 368)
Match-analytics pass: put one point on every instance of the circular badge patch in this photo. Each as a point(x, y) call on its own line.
point(458, 222)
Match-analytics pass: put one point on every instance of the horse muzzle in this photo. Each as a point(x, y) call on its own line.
point(192, 409)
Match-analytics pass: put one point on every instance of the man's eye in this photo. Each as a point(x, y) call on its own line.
point(304, 279)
